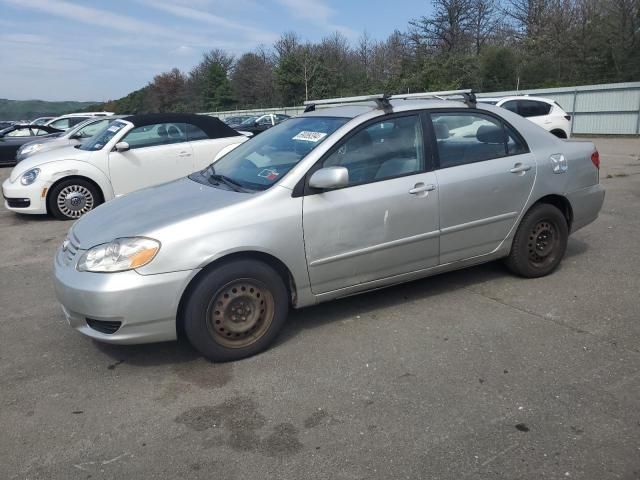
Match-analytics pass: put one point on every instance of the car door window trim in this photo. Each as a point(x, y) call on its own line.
point(474, 111)
point(303, 188)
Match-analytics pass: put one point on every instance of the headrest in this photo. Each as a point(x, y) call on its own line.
point(442, 130)
point(174, 132)
point(162, 131)
point(490, 134)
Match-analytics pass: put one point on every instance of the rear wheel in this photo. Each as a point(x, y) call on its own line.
point(236, 310)
point(540, 242)
point(72, 198)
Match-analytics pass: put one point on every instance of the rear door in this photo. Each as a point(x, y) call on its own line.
point(385, 222)
point(485, 175)
point(158, 153)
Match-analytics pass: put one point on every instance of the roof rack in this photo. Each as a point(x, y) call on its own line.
point(468, 95)
point(383, 100)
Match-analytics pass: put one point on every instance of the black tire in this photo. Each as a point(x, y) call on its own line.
point(236, 310)
point(72, 198)
point(540, 242)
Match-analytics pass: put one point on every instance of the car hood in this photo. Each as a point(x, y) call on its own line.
point(40, 158)
point(146, 211)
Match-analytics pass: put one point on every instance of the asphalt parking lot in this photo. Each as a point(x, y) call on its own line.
point(472, 374)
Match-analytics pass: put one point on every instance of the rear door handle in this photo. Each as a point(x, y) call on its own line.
point(421, 187)
point(184, 154)
point(520, 168)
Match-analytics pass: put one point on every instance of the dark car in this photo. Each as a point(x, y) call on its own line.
point(13, 137)
point(236, 119)
point(260, 123)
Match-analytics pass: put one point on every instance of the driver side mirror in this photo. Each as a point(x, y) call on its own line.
point(329, 178)
point(122, 147)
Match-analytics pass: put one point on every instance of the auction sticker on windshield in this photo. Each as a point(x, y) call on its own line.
point(310, 136)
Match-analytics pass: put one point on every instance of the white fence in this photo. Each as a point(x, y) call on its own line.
point(612, 109)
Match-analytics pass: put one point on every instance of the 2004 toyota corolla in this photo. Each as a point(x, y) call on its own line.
point(337, 201)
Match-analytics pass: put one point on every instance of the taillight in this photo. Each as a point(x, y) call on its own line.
point(568, 117)
point(595, 159)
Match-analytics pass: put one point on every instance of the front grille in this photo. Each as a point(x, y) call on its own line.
point(18, 202)
point(104, 326)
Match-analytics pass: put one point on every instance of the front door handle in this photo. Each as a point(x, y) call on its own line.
point(184, 154)
point(520, 168)
point(421, 188)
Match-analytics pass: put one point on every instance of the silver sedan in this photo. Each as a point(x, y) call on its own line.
point(337, 201)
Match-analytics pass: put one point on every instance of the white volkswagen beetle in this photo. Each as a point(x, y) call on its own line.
point(130, 153)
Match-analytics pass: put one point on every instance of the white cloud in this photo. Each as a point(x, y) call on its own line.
point(259, 36)
point(318, 13)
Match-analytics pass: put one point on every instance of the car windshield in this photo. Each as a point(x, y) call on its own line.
point(249, 121)
point(100, 139)
point(262, 161)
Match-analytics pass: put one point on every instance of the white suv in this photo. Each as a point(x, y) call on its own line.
point(541, 111)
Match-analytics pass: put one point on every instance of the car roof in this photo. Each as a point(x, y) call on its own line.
point(212, 126)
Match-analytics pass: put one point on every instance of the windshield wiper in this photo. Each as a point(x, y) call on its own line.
point(229, 182)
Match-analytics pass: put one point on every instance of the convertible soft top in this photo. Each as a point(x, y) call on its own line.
point(212, 126)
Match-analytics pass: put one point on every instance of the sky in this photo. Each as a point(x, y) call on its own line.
point(93, 50)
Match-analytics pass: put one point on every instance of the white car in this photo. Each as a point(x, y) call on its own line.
point(64, 122)
point(541, 111)
point(130, 153)
point(72, 136)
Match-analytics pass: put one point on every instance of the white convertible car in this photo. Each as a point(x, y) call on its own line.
point(130, 153)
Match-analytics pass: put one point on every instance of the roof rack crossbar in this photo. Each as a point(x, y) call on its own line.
point(469, 96)
point(381, 100)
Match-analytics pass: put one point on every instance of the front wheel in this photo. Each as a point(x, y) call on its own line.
point(236, 310)
point(540, 242)
point(72, 198)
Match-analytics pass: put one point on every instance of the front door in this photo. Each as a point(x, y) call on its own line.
point(158, 153)
point(385, 222)
point(485, 176)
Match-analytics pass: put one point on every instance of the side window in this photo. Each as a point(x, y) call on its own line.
point(515, 146)
point(76, 120)
point(195, 133)
point(154, 135)
point(386, 149)
point(92, 129)
point(39, 131)
point(511, 105)
point(62, 124)
point(532, 108)
point(20, 132)
point(484, 138)
point(266, 120)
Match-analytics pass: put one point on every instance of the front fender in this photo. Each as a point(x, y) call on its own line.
point(52, 172)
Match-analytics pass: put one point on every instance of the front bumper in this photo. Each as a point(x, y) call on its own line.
point(24, 199)
point(144, 306)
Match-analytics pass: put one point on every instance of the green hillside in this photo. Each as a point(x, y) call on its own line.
point(30, 109)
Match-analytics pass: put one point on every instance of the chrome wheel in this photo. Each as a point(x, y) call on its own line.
point(240, 313)
point(74, 201)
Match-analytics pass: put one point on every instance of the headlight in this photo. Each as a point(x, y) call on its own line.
point(29, 176)
point(29, 149)
point(120, 255)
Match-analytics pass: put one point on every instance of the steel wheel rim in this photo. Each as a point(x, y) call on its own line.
point(75, 200)
point(542, 244)
point(240, 313)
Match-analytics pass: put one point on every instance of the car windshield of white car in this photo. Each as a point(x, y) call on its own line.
point(262, 161)
point(104, 136)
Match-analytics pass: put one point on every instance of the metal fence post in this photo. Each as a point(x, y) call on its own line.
point(638, 119)
point(573, 110)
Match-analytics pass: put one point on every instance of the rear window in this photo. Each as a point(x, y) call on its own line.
point(532, 108)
